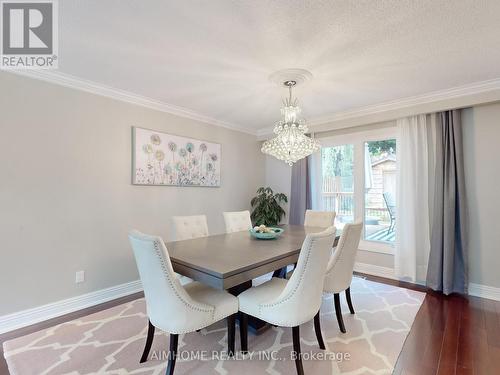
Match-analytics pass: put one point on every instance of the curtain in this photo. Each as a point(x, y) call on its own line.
point(416, 163)
point(300, 193)
point(448, 270)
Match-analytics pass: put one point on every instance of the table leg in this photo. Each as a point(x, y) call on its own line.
point(281, 273)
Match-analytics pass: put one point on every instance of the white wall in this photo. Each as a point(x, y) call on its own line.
point(66, 201)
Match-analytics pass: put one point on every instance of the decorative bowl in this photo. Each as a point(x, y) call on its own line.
point(275, 232)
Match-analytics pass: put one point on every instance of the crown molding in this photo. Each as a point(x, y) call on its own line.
point(431, 97)
point(471, 92)
point(81, 84)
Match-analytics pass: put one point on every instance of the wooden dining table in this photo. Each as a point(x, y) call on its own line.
point(231, 261)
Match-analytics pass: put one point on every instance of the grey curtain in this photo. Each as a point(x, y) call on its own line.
point(300, 193)
point(448, 270)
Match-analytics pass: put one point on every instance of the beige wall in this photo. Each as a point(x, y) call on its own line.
point(66, 201)
point(279, 177)
point(482, 172)
point(377, 259)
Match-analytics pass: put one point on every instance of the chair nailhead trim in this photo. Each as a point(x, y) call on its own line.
point(161, 257)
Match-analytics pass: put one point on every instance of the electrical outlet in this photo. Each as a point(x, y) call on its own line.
point(79, 277)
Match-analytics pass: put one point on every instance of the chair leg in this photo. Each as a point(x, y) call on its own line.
point(230, 334)
point(294, 268)
point(317, 329)
point(338, 311)
point(149, 342)
point(296, 349)
point(244, 332)
point(172, 354)
point(349, 301)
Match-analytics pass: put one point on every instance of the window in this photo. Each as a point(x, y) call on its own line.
point(380, 190)
point(337, 193)
point(355, 176)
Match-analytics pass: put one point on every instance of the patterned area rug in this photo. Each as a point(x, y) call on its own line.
point(111, 342)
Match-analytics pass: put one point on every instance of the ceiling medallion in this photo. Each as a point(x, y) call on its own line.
point(291, 142)
point(301, 76)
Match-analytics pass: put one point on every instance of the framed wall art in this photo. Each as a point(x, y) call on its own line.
point(166, 159)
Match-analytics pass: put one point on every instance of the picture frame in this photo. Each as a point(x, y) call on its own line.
point(163, 159)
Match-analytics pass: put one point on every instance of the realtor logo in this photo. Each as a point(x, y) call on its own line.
point(29, 34)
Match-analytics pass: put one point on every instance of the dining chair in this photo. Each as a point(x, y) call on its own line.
point(289, 303)
point(340, 268)
point(189, 227)
point(237, 221)
point(174, 308)
point(322, 219)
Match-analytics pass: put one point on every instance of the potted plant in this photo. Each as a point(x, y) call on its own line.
point(266, 207)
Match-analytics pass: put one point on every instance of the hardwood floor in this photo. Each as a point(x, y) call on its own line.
point(453, 335)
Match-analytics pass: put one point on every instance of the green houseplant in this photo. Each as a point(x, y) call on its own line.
point(266, 207)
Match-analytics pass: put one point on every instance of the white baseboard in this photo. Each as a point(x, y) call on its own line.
point(484, 291)
point(371, 269)
point(477, 290)
point(34, 315)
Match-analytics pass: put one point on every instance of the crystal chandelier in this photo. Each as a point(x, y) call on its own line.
point(291, 143)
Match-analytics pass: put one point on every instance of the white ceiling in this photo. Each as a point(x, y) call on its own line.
point(214, 57)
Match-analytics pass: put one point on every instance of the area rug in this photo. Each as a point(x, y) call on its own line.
point(111, 342)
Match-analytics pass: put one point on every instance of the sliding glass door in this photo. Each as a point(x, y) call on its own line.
point(380, 190)
point(337, 187)
point(355, 176)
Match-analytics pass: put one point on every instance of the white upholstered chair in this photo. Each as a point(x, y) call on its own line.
point(237, 221)
point(174, 308)
point(322, 219)
point(340, 268)
point(189, 227)
point(289, 303)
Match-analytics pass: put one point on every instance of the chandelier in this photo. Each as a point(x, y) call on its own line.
point(291, 142)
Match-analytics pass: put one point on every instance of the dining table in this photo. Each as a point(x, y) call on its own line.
point(230, 261)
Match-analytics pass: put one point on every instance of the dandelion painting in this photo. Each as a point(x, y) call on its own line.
point(165, 159)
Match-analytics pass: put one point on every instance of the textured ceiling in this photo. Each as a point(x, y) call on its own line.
point(214, 57)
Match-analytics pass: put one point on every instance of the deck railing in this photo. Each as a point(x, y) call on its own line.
point(334, 199)
point(340, 202)
point(343, 204)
